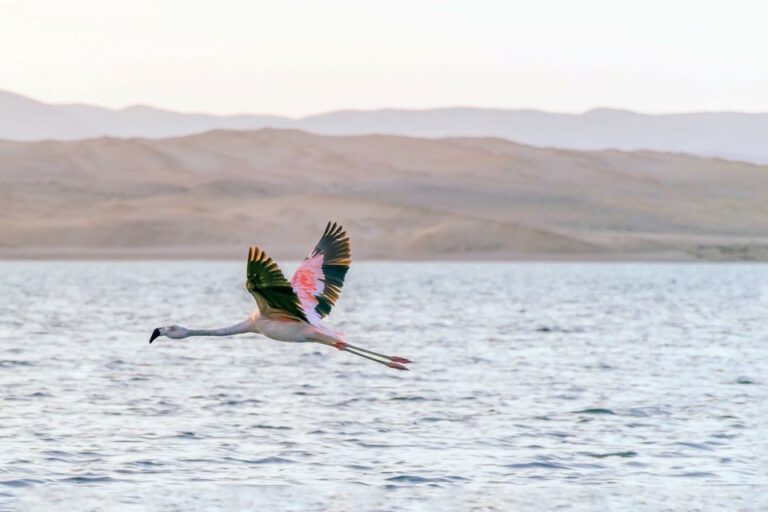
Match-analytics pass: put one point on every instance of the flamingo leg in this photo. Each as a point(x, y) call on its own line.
point(395, 359)
point(390, 364)
point(386, 360)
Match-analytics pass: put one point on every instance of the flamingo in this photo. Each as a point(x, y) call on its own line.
point(292, 311)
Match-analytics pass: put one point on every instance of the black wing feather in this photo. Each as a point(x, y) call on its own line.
point(337, 256)
point(266, 281)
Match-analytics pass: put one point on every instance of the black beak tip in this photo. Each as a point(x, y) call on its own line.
point(155, 334)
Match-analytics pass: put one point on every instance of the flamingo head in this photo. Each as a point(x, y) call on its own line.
point(174, 332)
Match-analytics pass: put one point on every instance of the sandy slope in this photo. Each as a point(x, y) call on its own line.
point(210, 195)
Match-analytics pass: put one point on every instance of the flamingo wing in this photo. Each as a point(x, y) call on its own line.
point(272, 291)
point(318, 280)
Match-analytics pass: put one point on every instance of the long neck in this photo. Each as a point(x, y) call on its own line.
point(240, 328)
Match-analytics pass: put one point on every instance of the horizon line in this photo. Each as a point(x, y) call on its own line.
point(592, 110)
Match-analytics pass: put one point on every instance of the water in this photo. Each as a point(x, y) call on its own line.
point(537, 386)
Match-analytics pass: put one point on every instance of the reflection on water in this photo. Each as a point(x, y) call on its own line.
point(586, 386)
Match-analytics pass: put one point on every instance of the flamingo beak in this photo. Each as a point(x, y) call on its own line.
point(155, 334)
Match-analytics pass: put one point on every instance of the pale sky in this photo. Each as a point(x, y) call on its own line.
point(297, 57)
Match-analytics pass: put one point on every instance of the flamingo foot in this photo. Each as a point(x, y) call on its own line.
point(397, 366)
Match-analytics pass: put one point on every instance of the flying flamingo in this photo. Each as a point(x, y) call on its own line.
point(292, 311)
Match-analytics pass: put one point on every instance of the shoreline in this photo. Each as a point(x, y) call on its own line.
point(237, 254)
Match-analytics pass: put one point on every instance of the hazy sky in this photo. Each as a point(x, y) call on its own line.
point(305, 56)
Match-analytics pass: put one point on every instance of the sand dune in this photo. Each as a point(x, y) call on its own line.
point(212, 194)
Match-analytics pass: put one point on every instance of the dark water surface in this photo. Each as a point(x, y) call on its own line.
point(536, 386)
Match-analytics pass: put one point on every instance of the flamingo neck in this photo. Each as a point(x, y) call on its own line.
point(239, 328)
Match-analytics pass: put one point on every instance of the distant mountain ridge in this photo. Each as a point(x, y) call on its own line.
point(728, 135)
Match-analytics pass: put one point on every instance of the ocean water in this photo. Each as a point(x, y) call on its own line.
point(536, 386)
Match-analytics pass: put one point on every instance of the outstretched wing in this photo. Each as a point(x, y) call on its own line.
point(270, 288)
point(318, 280)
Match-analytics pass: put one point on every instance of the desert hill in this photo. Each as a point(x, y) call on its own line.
point(213, 194)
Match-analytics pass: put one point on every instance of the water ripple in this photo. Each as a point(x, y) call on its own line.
point(532, 377)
